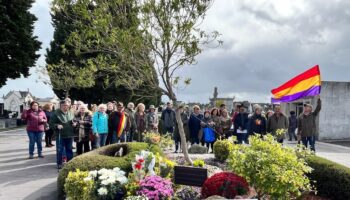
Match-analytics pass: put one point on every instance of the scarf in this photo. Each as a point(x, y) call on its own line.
point(121, 124)
point(81, 129)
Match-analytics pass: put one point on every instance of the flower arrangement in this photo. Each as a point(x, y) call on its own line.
point(164, 167)
point(76, 188)
point(143, 165)
point(164, 141)
point(108, 184)
point(155, 187)
point(225, 184)
point(199, 163)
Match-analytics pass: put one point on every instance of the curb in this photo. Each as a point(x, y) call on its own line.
point(334, 145)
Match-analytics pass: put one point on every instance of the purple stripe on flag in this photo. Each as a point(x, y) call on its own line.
point(316, 90)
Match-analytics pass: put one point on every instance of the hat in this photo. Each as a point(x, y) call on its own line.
point(152, 107)
point(120, 104)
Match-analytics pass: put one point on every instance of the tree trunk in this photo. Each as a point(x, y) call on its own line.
point(183, 138)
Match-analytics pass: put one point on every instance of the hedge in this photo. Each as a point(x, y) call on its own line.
point(332, 179)
point(103, 158)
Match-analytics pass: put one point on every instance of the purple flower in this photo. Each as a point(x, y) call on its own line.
point(155, 187)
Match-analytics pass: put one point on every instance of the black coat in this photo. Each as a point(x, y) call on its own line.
point(257, 124)
point(242, 120)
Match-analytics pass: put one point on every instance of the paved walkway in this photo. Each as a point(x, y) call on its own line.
point(21, 178)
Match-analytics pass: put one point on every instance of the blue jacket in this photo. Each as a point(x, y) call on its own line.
point(194, 125)
point(100, 123)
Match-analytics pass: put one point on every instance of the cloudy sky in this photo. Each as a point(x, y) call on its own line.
point(266, 42)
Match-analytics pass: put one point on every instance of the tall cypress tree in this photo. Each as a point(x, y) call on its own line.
point(67, 20)
point(18, 45)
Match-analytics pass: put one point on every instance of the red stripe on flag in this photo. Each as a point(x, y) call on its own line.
point(315, 71)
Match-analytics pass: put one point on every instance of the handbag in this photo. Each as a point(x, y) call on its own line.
point(209, 135)
point(91, 136)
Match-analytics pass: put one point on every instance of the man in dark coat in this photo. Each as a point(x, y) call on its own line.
point(307, 125)
point(194, 125)
point(241, 126)
point(293, 125)
point(168, 119)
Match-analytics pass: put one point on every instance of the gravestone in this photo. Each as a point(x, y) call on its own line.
point(191, 176)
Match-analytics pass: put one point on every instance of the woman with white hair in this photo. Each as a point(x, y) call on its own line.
point(83, 120)
point(257, 122)
point(100, 125)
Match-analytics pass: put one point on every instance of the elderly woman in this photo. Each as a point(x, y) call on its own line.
point(83, 120)
point(140, 121)
point(225, 124)
point(257, 122)
point(152, 120)
point(100, 125)
point(36, 121)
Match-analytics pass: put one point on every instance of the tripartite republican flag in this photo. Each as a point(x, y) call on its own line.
point(304, 85)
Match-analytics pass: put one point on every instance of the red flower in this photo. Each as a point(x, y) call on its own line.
point(138, 166)
point(141, 160)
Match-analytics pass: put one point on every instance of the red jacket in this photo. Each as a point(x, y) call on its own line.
point(36, 121)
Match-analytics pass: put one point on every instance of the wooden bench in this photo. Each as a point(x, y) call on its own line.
point(191, 176)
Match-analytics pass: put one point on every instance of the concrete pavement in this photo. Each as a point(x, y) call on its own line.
point(21, 178)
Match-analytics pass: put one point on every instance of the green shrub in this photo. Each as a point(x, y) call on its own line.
point(222, 149)
point(76, 187)
point(332, 179)
point(274, 171)
point(104, 158)
point(197, 149)
point(198, 163)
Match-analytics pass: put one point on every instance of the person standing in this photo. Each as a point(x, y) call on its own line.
point(216, 122)
point(241, 126)
point(225, 125)
point(120, 124)
point(194, 125)
point(131, 114)
point(48, 130)
point(307, 125)
point(168, 119)
point(257, 122)
point(62, 123)
point(36, 122)
point(221, 108)
point(184, 119)
point(152, 120)
point(208, 131)
point(83, 119)
point(278, 122)
point(110, 109)
point(100, 125)
point(293, 125)
point(140, 121)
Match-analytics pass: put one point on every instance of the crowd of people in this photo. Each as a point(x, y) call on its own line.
point(112, 123)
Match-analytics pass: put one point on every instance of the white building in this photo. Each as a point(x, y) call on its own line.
point(16, 101)
point(334, 119)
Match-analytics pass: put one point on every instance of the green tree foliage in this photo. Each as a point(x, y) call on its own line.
point(82, 28)
point(274, 171)
point(18, 46)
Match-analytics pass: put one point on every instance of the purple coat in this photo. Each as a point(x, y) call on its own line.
point(36, 121)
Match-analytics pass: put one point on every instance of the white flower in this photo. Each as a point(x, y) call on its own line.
point(103, 171)
point(93, 174)
point(102, 191)
point(122, 180)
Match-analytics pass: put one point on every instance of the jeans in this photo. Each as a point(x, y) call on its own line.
point(292, 135)
point(64, 145)
point(101, 140)
point(130, 136)
point(35, 137)
point(309, 140)
point(116, 139)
